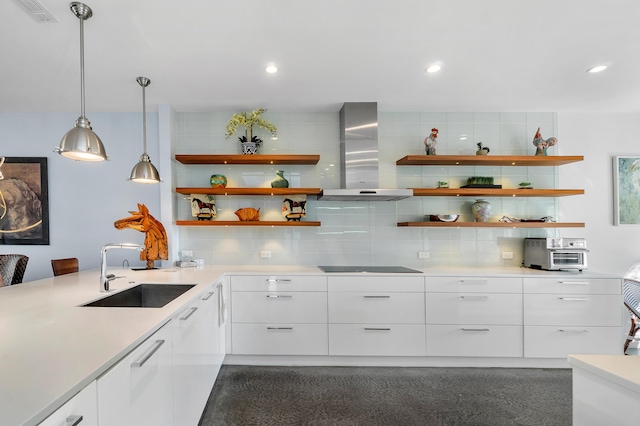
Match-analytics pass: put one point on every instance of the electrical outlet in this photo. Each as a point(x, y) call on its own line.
point(424, 255)
point(507, 255)
point(265, 254)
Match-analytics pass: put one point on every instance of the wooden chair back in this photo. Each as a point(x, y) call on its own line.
point(64, 266)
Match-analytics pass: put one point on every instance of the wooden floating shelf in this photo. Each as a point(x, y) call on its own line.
point(487, 160)
point(244, 223)
point(494, 192)
point(250, 191)
point(247, 159)
point(492, 224)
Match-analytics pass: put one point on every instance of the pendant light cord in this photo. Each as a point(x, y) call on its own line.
point(82, 112)
point(144, 122)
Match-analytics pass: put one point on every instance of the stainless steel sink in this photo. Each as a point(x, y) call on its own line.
point(143, 296)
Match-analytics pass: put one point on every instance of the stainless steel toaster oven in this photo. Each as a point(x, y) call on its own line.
point(554, 254)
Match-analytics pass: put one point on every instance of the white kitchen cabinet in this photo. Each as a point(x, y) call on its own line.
point(376, 316)
point(81, 410)
point(474, 340)
point(279, 315)
point(474, 316)
point(138, 390)
point(572, 316)
point(197, 346)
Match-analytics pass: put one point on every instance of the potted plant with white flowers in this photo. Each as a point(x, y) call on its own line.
point(249, 141)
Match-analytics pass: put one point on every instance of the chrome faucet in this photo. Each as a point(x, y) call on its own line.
point(104, 278)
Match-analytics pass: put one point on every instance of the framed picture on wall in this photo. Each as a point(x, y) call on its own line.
point(626, 190)
point(24, 201)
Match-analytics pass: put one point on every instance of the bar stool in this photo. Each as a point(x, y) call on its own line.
point(64, 266)
point(12, 268)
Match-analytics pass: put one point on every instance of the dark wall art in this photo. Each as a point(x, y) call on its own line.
point(24, 201)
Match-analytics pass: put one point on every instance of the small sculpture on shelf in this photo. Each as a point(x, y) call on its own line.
point(248, 214)
point(482, 150)
point(443, 184)
point(430, 142)
point(542, 144)
point(203, 206)
point(294, 207)
point(525, 185)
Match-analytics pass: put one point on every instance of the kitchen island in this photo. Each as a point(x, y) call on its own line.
point(52, 347)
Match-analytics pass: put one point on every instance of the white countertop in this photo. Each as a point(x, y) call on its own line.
point(623, 370)
point(51, 347)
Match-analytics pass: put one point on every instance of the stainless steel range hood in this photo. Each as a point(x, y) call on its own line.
point(359, 179)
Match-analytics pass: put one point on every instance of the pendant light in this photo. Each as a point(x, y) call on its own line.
point(81, 143)
point(144, 171)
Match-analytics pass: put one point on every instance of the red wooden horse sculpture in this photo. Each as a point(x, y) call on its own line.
point(155, 241)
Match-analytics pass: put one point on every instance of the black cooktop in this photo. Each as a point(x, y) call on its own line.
point(371, 269)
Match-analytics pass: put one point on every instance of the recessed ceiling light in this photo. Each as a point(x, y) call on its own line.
point(433, 68)
point(597, 68)
point(271, 69)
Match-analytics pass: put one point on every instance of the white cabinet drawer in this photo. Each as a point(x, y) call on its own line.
point(474, 340)
point(279, 339)
point(377, 283)
point(139, 389)
point(296, 307)
point(558, 342)
point(278, 283)
point(376, 308)
point(572, 309)
point(474, 284)
point(81, 410)
point(574, 285)
point(474, 308)
point(377, 339)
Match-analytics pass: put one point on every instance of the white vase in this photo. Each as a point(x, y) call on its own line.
point(481, 210)
point(249, 148)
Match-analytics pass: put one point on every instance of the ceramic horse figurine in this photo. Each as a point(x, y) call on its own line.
point(155, 241)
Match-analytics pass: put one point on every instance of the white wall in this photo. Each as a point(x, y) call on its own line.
point(84, 198)
point(599, 137)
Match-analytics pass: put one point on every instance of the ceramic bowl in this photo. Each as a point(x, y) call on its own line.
point(442, 217)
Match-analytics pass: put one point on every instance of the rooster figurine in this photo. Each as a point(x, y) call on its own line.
point(541, 144)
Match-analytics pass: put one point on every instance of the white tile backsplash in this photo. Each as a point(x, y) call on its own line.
point(365, 232)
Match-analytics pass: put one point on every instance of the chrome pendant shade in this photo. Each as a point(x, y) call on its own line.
point(144, 171)
point(81, 143)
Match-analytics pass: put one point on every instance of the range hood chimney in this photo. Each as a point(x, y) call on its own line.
point(359, 179)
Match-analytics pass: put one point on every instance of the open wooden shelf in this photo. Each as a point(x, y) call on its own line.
point(246, 223)
point(247, 159)
point(492, 224)
point(487, 160)
point(494, 192)
point(250, 191)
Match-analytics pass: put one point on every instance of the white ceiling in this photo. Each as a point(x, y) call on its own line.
point(497, 55)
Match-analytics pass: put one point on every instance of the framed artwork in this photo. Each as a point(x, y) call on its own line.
point(24, 201)
point(626, 190)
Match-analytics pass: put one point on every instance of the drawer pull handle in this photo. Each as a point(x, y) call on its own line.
point(279, 328)
point(208, 296)
point(474, 297)
point(377, 297)
point(149, 354)
point(574, 282)
point(474, 281)
point(475, 329)
point(377, 329)
point(73, 420)
point(573, 331)
point(191, 312)
point(278, 280)
point(278, 296)
point(574, 299)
